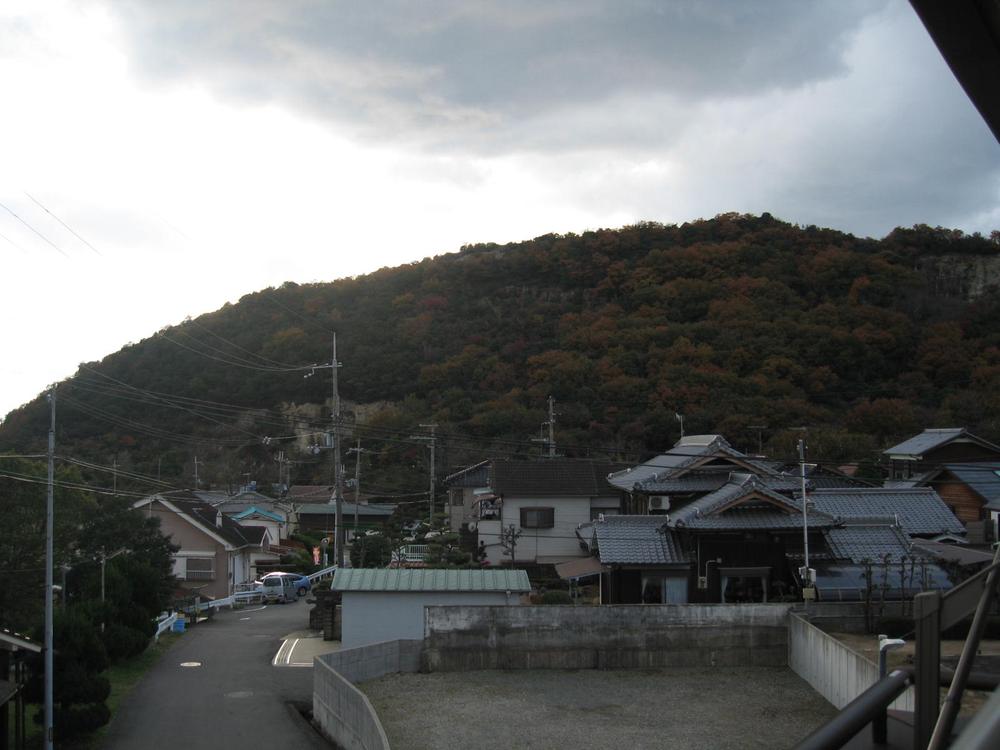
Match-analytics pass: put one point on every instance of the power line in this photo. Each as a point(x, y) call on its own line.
point(67, 226)
point(58, 249)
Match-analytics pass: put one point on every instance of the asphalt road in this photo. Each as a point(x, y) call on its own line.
point(235, 698)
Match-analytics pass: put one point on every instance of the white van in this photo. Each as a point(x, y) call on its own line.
point(279, 589)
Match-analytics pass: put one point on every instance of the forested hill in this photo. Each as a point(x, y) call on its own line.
point(733, 322)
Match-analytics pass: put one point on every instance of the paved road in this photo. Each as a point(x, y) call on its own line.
point(236, 698)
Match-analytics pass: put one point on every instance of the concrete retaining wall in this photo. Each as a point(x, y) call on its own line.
point(344, 713)
point(833, 670)
point(610, 637)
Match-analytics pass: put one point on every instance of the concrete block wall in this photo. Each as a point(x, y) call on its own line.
point(343, 712)
point(833, 670)
point(614, 637)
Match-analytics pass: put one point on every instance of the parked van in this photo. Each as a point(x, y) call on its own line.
point(279, 589)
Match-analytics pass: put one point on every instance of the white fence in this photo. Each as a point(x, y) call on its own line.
point(163, 623)
point(833, 670)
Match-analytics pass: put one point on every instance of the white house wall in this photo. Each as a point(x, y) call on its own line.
point(373, 617)
point(559, 541)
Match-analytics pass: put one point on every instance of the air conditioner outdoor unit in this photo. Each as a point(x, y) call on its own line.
point(659, 502)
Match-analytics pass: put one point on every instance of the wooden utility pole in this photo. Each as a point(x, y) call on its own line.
point(430, 440)
point(49, 563)
point(337, 473)
point(357, 450)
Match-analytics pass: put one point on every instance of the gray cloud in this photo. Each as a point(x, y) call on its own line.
point(476, 74)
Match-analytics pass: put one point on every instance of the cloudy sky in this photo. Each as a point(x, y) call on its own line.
point(161, 158)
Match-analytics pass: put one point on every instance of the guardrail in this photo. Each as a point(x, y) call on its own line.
point(163, 624)
point(323, 574)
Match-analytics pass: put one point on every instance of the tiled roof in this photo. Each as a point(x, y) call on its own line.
point(983, 479)
point(425, 579)
point(330, 509)
point(919, 510)
point(740, 486)
point(685, 454)
point(870, 541)
point(306, 492)
point(758, 518)
point(210, 518)
point(637, 540)
point(476, 475)
point(934, 438)
point(552, 477)
point(823, 477)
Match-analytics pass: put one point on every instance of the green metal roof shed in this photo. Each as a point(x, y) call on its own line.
point(389, 604)
point(425, 579)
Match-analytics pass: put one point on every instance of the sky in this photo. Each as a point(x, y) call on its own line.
point(159, 159)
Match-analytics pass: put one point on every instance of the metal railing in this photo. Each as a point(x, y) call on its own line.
point(934, 612)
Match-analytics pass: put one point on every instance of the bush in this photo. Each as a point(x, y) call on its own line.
point(556, 597)
point(895, 627)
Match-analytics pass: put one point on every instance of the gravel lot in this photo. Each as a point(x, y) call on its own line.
point(627, 710)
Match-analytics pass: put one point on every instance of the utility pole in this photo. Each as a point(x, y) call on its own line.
point(805, 572)
point(680, 418)
point(430, 441)
point(334, 436)
point(196, 473)
point(357, 450)
point(551, 425)
point(114, 476)
point(49, 562)
point(759, 429)
point(337, 473)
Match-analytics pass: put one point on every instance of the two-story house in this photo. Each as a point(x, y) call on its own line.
point(529, 512)
point(216, 553)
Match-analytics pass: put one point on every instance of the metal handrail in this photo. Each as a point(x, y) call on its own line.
point(860, 712)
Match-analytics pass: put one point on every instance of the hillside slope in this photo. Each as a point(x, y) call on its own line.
point(733, 322)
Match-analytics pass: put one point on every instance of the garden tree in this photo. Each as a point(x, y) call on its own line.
point(445, 551)
point(79, 688)
point(22, 543)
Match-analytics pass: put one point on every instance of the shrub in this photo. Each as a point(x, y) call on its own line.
point(556, 597)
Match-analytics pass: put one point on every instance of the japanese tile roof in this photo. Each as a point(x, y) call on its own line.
point(756, 518)
point(824, 477)
point(637, 540)
point(871, 541)
point(330, 509)
point(208, 517)
point(306, 492)
point(930, 439)
point(687, 453)
point(740, 486)
point(919, 510)
point(426, 579)
point(476, 475)
point(551, 477)
point(983, 479)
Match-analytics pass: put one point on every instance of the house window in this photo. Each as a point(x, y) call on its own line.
point(538, 518)
point(200, 569)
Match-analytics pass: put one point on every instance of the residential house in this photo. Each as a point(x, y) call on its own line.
point(696, 466)
point(529, 511)
point(388, 604)
point(745, 542)
point(216, 553)
point(321, 518)
point(963, 469)
point(934, 448)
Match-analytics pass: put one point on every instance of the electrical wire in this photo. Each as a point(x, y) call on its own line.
point(50, 242)
point(65, 225)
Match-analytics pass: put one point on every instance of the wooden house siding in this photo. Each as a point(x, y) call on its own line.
point(963, 501)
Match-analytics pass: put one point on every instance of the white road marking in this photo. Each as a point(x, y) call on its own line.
point(258, 609)
point(244, 618)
